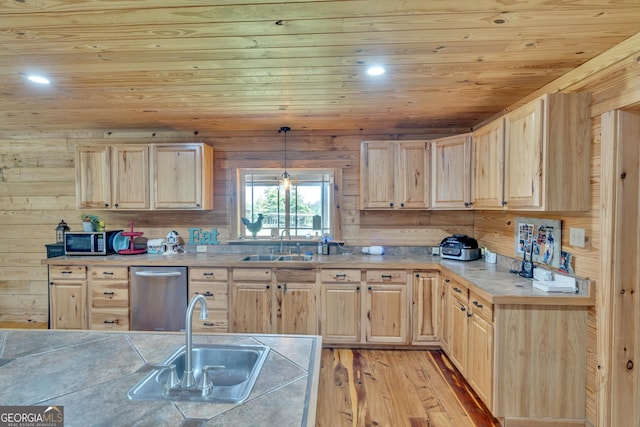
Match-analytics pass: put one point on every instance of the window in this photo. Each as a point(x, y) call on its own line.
point(305, 209)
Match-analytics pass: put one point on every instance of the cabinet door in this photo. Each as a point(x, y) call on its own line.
point(480, 363)
point(93, 177)
point(524, 157)
point(459, 334)
point(412, 175)
point(451, 172)
point(296, 311)
point(387, 314)
point(180, 174)
point(425, 306)
point(68, 304)
point(130, 180)
point(488, 166)
point(341, 311)
point(251, 311)
point(444, 312)
point(377, 175)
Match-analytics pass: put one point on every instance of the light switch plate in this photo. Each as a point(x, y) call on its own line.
point(201, 248)
point(435, 251)
point(576, 237)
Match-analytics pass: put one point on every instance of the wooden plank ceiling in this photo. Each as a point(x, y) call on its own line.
point(260, 64)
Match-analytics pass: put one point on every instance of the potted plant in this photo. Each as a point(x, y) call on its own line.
point(89, 222)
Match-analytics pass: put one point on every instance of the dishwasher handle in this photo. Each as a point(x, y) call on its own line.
point(158, 273)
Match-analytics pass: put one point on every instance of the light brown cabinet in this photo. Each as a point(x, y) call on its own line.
point(451, 172)
point(341, 302)
point(251, 300)
point(182, 176)
point(394, 175)
point(109, 293)
point(213, 284)
point(112, 177)
point(68, 297)
point(459, 325)
point(145, 176)
point(274, 301)
point(296, 305)
point(425, 307)
point(544, 160)
point(386, 312)
point(444, 312)
point(488, 166)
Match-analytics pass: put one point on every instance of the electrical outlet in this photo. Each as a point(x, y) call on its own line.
point(435, 251)
point(576, 237)
point(201, 248)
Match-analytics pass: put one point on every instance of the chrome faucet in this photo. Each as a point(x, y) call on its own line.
point(189, 380)
point(281, 238)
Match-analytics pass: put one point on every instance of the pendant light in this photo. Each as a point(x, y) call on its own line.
point(285, 178)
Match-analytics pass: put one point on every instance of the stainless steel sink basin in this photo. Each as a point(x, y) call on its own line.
point(239, 367)
point(260, 258)
point(295, 258)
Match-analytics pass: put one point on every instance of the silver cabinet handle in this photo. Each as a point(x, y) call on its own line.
point(158, 273)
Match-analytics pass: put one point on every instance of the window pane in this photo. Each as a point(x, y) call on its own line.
point(305, 204)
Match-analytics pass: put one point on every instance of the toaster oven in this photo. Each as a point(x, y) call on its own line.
point(460, 247)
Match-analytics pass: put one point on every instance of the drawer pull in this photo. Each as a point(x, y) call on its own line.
point(107, 273)
point(66, 272)
point(110, 322)
point(209, 274)
point(206, 294)
point(477, 304)
point(386, 276)
point(458, 290)
point(341, 276)
point(108, 293)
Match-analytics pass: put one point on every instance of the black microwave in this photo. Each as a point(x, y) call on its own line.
point(89, 242)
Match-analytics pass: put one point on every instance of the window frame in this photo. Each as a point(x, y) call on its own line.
point(332, 205)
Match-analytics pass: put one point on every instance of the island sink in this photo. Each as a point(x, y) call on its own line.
point(232, 371)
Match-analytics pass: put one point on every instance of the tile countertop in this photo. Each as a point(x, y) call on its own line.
point(493, 282)
point(89, 374)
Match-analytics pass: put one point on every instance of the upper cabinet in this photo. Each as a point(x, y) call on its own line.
point(394, 175)
point(182, 176)
point(543, 162)
point(488, 166)
point(145, 176)
point(451, 172)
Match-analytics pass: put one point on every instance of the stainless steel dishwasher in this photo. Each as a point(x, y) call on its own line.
point(158, 298)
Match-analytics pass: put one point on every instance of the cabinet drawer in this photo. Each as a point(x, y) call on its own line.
point(110, 294)
point(209, 274)
point(297, 276)
point(67, 272)
point(459, 290)
point(340, 276)
point(109, 273)
point(481, 306)
point(218, 321)
point(386, 276)
point(216, 294)
point(252, 274)
point(116, 319)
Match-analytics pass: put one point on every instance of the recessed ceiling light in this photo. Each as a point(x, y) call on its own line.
point(375, 71)
point(39, 79)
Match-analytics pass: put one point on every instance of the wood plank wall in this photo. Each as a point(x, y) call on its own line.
point(37, 176)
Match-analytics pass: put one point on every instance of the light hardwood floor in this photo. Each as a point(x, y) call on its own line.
point(395, 388)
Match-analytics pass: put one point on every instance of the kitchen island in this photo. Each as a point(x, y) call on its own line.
point(89, 374)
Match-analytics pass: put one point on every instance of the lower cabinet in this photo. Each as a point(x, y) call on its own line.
point(425, 307)
point(296, 302)
point(251, 300)
point(109, 290)
point(386, 311)
point(470, 345)
point(68, 297)
point(213, 284)
point(341, 302)
point(287, 306)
